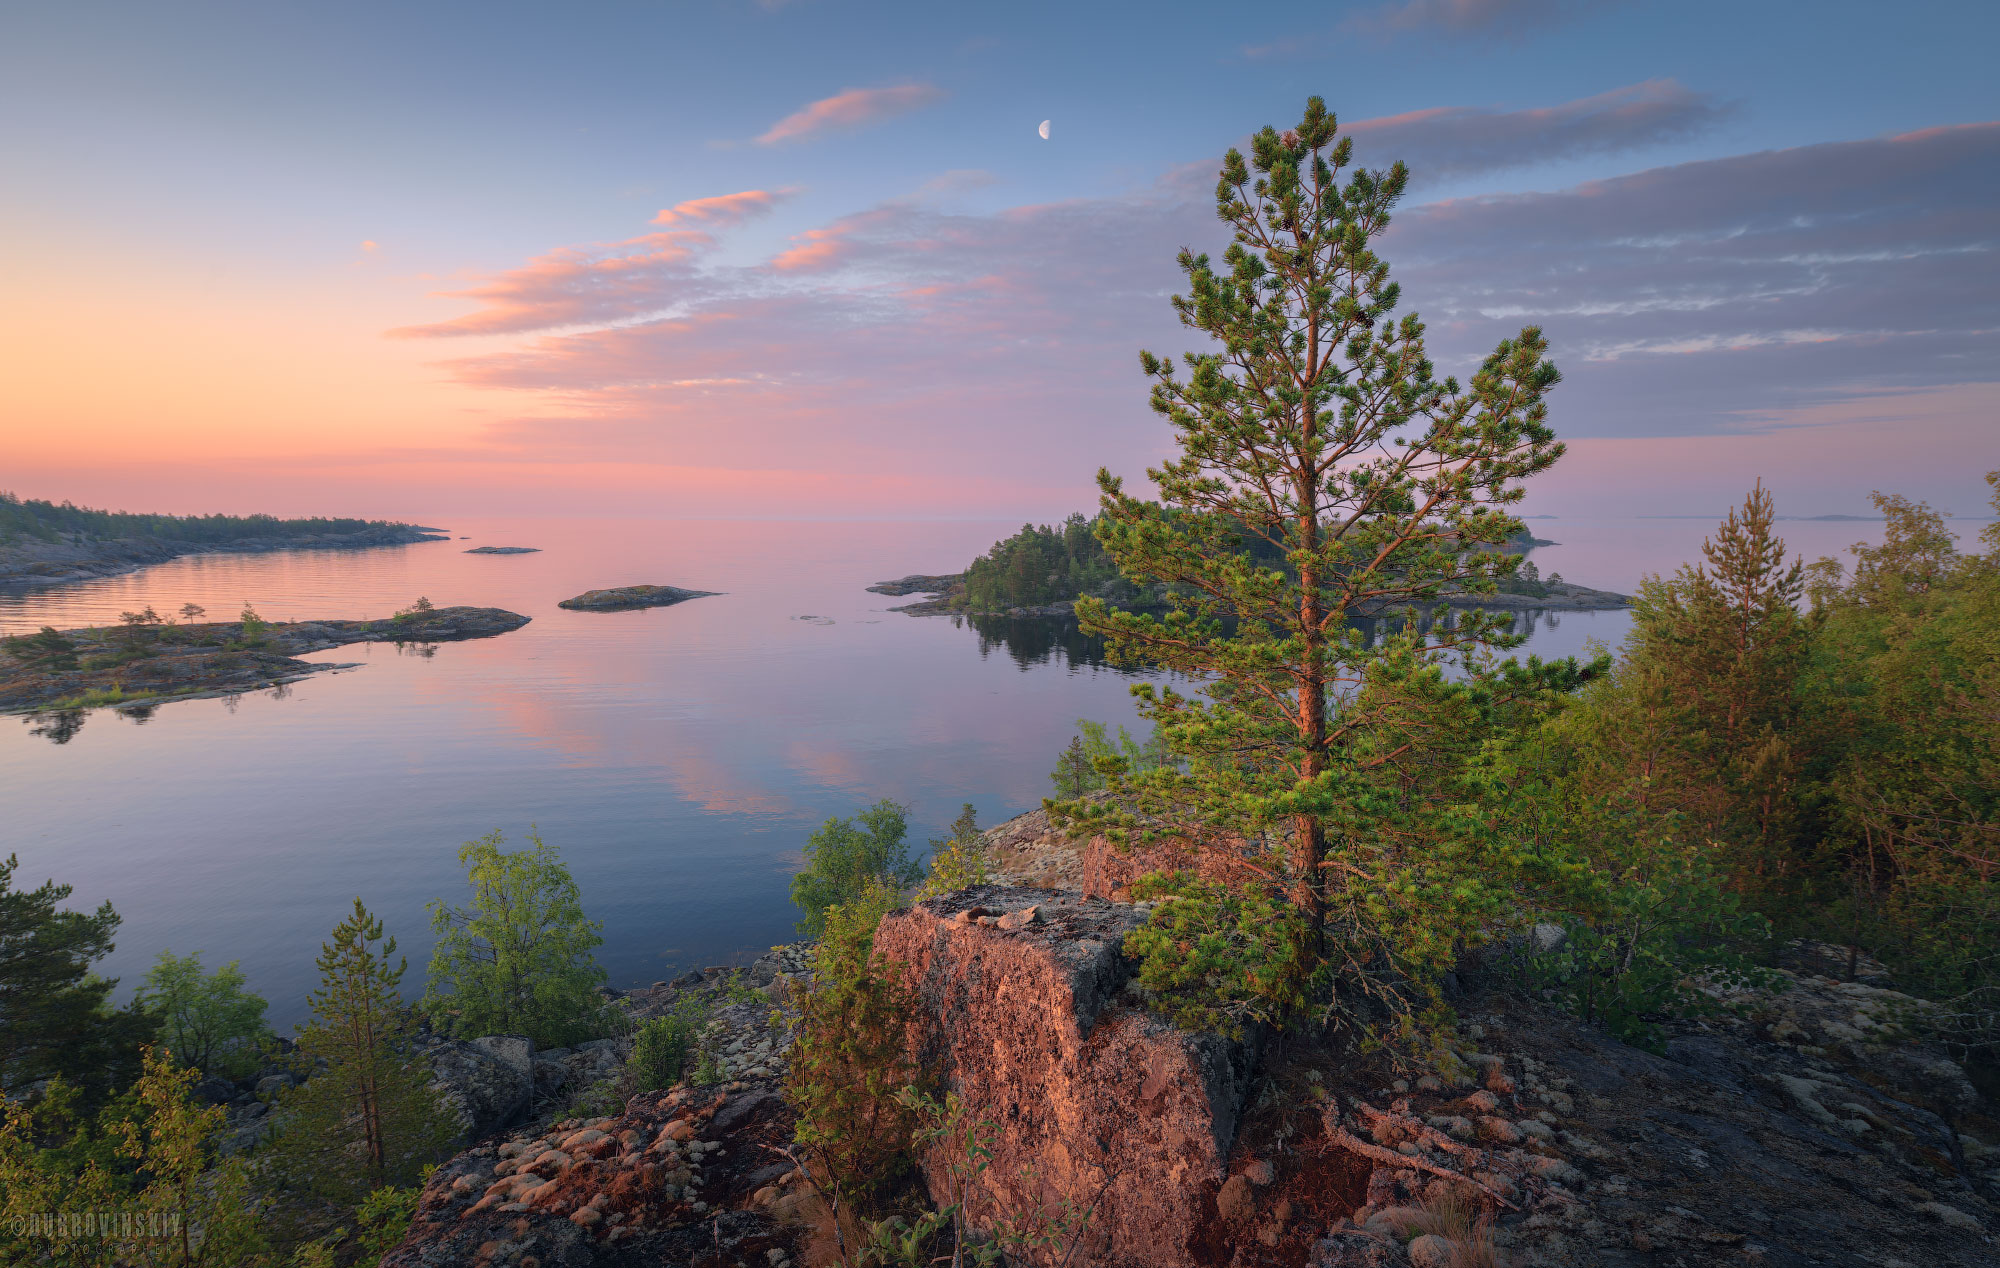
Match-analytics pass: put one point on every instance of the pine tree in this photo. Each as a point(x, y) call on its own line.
point(55, 1014)
point(1711, 682)
point(1074, 775)
point(1315, 434)
point(367, 1117)
point(48, 648)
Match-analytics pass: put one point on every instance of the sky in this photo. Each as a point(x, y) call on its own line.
point(813, 259)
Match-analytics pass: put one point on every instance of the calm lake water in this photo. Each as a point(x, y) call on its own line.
point(678, 756)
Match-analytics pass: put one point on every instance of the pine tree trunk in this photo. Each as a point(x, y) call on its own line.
point(1308, 832)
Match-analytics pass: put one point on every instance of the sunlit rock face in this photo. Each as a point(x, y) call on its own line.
point(1097, 1103)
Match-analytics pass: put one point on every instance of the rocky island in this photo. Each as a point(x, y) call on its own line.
point(505, 550)
point(621, 598)
point(147, 662)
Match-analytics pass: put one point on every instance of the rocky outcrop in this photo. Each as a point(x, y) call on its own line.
point(620, 598)
point(1101, 1106)
point(504, 550)
point(1806, 1124)
point(488, 1082)
point(184, 662)
point(32, 562)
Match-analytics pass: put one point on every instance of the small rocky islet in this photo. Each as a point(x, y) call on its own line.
point(622, 598)
point(126, 668)
point(504, 550)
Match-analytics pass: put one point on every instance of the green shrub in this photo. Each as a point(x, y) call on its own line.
point(661, 1047)
point(207, 1020)
point(1665, 940)
point(384, 1217)
point(1094, 754)
point(957, 861)
point(852, 1056)
point(847, 858)
point(517, 959)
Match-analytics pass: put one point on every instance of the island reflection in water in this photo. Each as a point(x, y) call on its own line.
point(1038, 641)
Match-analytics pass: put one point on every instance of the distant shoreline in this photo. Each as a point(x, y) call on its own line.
point(33, 563)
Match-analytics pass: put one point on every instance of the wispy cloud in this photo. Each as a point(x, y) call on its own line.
point(1476, 17)
point(723, 210)
point(1455, 140)
point(575, 286)
point(857, 107)
point(907, 343)
point(1455, 19)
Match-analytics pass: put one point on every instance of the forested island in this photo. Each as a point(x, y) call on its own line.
point(43, 542)
point(1043, 569)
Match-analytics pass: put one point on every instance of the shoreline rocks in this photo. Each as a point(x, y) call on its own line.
point(624, 598)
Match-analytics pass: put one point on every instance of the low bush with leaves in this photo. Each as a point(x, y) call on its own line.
point(662, 1047)
point(1663, 939)
point(957, 861)
point(178, 1206)
point(852, 1056)
point(1094, 753)
point(847, 859)
point(207, 1020)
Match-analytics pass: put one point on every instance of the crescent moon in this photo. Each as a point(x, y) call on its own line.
point(1044, 129)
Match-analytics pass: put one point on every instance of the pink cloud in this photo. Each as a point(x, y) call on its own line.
point(854, 108)
point(816, 250)
point(1449, 140)
point(910, 347)
point(574, 286)
point(723, 209)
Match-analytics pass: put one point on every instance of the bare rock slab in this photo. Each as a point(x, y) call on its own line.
point(1108, 1107)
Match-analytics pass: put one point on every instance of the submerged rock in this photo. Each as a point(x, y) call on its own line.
point(615, 598)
